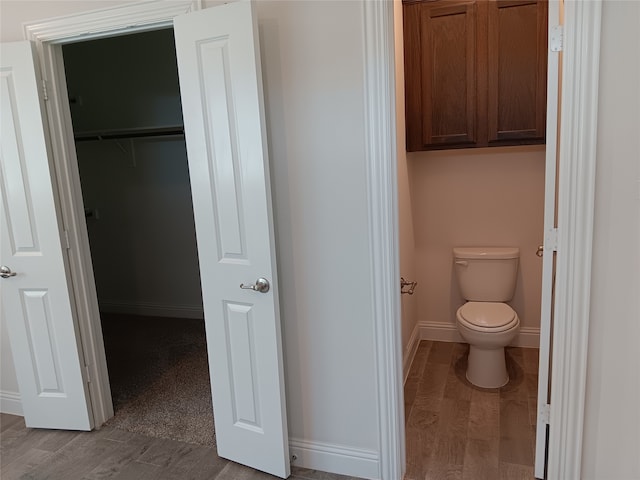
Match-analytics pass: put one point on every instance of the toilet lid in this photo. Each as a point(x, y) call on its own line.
point(491, 316)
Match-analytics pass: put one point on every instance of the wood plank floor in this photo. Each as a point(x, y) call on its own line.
point(454, 431)
point(109, 453)
point(459, 432)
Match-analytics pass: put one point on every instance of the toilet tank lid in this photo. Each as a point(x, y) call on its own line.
point(486, 252)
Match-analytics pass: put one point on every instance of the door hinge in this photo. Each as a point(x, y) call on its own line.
point(551, 240)
point(544, 413)
point(556, 38)
point(45, 91)
point(88, 375)
point(67, 242)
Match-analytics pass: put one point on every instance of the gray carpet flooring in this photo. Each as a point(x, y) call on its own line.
point(159, 377)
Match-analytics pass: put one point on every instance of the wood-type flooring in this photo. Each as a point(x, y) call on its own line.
point(109, 453)
point(456, 431)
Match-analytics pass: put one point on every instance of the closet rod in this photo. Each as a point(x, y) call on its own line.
point(131, 133)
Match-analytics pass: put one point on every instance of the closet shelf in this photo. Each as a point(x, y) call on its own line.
point(129, 133)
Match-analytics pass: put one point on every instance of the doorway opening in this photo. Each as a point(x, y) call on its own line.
point(462, 197)
point(127, 122)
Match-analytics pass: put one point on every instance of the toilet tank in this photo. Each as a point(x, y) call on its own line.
point(486, 274)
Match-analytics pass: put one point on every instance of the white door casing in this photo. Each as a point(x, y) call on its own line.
point(36, 302)
point(220, 82)
point(49, 35)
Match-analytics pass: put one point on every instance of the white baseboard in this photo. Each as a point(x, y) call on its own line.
point(334, 458)
point(439, 331)
point(11, 403)
point(410, 351)
point(153, 310)
point(447, 332)
point(528, 337)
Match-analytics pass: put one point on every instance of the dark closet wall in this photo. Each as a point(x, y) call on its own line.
point(136, 191)
point(123, 82)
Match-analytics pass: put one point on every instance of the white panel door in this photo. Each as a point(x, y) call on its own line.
point(550, 241)
point(35, 294)
point(220, 82)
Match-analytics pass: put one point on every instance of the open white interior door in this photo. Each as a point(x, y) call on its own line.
point(550, 237)
point(220, 83)
point(35, 291)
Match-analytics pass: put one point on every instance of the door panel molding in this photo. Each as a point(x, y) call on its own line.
point(40, 333)
point(220, 117)
point(22, 230)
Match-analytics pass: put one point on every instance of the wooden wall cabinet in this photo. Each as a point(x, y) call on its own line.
point(475, 73)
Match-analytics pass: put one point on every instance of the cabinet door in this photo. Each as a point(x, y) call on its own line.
point(440, 74)
point(517, 69)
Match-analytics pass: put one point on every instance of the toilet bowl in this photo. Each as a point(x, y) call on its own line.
point(487, 279)
point(487, 327)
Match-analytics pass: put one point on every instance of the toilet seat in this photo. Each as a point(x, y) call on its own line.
point(489, 317)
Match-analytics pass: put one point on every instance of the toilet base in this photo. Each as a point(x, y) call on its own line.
point(487, 368)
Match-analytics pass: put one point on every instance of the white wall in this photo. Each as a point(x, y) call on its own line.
point(312, 54)
point(612, 418)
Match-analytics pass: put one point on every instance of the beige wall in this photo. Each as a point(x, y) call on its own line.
point(476, 197)
point(612, 415)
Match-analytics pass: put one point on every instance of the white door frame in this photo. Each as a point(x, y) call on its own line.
point(575, 207)
point(49, 36)
point(577, 155)
point(382, 200)
point(576, 195)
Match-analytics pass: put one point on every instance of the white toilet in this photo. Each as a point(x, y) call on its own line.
point(487, 277)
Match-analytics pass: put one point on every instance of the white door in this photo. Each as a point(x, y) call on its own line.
point(550, 241)
point(35, 292)
point(220, 83)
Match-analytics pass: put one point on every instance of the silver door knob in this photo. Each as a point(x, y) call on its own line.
point(5, 272)
point(261, 285)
